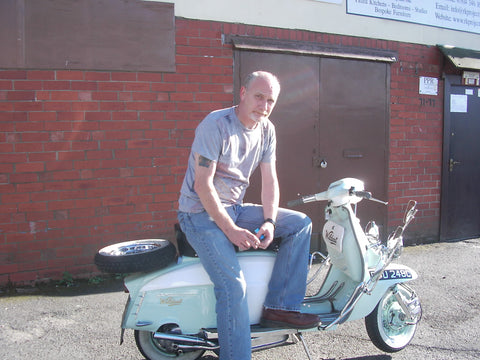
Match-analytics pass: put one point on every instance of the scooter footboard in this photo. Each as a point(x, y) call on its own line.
point(392, 275)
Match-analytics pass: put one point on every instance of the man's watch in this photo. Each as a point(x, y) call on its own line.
point(271, 221)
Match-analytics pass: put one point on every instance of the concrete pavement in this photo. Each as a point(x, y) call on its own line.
point(83, 322)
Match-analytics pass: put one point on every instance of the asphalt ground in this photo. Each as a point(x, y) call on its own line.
point(83, 321)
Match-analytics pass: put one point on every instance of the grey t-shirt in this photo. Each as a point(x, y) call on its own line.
point(222, 138)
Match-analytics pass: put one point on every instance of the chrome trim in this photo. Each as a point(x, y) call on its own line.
point(188, 341)
point(143, 323)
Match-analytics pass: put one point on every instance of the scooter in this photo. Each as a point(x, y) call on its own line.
point(172, 309)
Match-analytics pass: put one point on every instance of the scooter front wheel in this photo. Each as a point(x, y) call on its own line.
point(388, 326)
point(154, 349)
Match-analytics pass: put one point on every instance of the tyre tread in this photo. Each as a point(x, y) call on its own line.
point(142, 262)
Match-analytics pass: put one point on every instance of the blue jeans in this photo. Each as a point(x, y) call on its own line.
point(287, 286)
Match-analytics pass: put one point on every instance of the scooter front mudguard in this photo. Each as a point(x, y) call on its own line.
point(392, 275)
point(183, 294)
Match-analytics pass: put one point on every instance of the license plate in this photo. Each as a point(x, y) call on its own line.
point(392, 274)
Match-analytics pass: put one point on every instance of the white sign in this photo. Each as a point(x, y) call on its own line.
point(458, 103)
point(428, 85)
point(331, 1)
point(461, 15)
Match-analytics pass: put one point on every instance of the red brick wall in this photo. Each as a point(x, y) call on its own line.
point(416, 134)
point(90, 158)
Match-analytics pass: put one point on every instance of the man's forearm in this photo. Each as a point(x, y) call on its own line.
point(213, 206)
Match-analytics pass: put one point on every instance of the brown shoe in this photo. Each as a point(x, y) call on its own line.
point(272, 318)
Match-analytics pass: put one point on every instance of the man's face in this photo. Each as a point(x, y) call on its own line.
point(258, 100)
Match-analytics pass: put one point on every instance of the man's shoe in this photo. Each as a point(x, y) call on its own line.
point(272, 318)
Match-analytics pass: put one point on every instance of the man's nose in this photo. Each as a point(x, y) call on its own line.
point(264, 104)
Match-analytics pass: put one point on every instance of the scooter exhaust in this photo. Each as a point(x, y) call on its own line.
point(186, 342)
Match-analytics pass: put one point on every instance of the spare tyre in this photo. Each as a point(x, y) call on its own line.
point(135, 256)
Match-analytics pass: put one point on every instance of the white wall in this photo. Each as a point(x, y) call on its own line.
point(320, 16)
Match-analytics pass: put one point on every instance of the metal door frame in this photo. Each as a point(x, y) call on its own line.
point(450, 81)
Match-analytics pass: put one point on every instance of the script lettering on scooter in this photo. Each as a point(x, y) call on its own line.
point(170, 301)
point(330, 236)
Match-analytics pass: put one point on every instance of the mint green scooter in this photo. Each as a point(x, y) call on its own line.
point(172, 308)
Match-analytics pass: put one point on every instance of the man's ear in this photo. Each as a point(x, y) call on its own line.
point(243, 90)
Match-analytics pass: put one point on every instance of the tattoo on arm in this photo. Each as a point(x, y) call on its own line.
point(203, 161)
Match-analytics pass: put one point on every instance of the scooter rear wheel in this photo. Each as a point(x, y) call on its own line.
point(388, 326)
point(135, 256)
point(154, 349)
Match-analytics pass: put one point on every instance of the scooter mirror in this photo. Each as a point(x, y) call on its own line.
point(410, 212)
point(371, 230)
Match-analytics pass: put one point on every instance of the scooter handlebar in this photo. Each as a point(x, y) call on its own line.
point(308, 198)
point(293, 203)
point(339, 193)
point(363, 194)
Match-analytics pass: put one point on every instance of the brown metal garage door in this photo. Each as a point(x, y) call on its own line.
point(332, 122)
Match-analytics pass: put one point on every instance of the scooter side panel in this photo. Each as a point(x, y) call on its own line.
point(184, 294)
point(189, 308)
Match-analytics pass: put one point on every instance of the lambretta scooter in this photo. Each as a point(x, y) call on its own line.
point(172, 309)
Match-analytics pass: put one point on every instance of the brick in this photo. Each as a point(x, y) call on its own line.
point(40, 75)
point(138, 106)
point(64, 106)
point(15, 198)
point(85, 106)
point(124, 76)
point(105, 95)
point(13, 158)
point(100, 154)
point(39, 137)
point(124, 115)
point(5, 85)
point(13, 74)
point(27, 85)
point(4, 106)
point(23, 178)
point(30, 167)
point(113, 106)
point(84, 145)
point(58, 165)
point(97, 76)
point(42, 116)
point(69, 75)
point(84, 85)
point(57, 146)
point(111, 86)
point(135, 144)
point(20, 95)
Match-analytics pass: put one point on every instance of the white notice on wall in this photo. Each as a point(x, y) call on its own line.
point(458, 103)
point(428, 85)
point(331, 1)
point(460, 15)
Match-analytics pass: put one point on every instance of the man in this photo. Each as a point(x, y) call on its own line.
point(229, 144)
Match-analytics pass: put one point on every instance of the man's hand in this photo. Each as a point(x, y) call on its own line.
point(243, 238)
point(266, 230)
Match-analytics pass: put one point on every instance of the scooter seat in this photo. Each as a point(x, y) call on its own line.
point(185, 249)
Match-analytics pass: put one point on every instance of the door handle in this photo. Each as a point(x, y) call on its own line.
point(452, 163)
point(320, 162)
